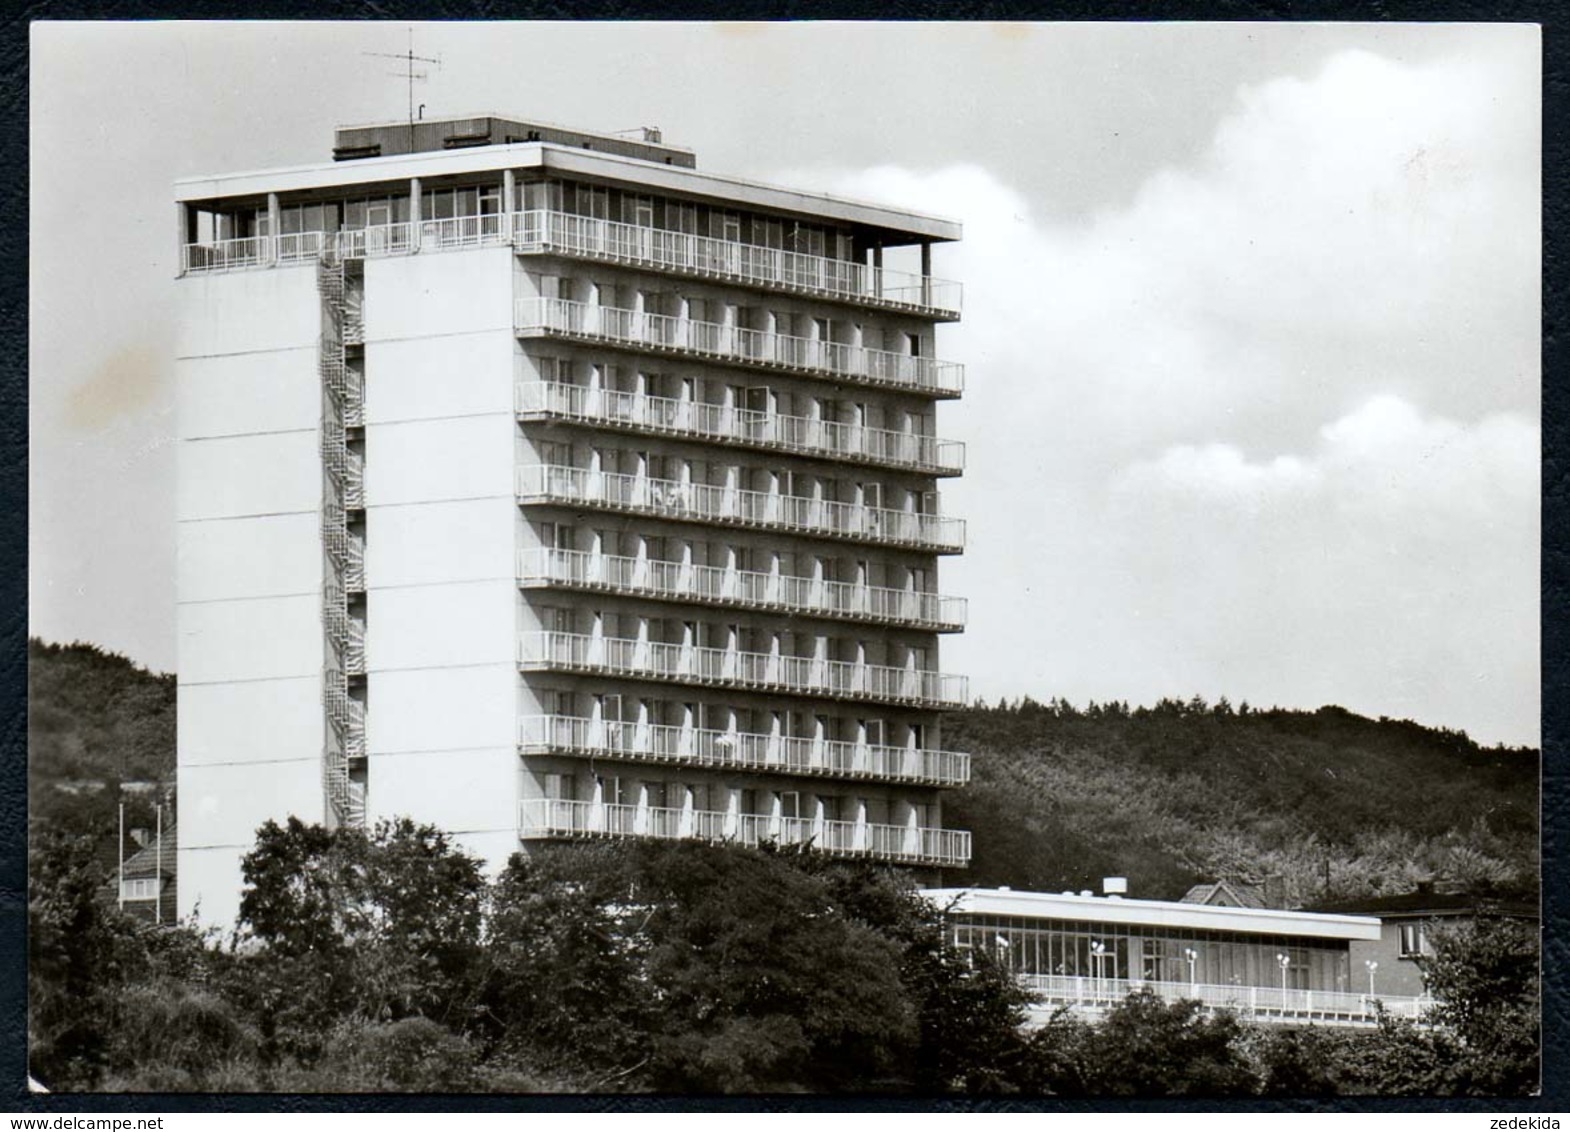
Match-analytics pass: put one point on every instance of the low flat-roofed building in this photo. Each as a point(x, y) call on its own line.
point(1408, 921)
point(1089, 952)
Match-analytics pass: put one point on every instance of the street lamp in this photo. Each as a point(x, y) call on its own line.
point(1372, 965)
point(1285, 961)
point(1193, 983)
point(1098, 953)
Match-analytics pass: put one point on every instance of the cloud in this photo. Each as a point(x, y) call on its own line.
point(1267, 427)
point(1384, 460)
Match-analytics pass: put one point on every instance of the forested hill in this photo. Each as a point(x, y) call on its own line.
point(94, 719)
point(1332, 803)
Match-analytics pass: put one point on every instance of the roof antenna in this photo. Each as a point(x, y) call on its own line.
point(409, 59)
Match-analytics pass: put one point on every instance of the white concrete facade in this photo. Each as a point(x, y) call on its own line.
point(250, 572)
point(409, 585)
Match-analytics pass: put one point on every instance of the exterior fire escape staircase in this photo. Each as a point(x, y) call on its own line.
point(343, 496)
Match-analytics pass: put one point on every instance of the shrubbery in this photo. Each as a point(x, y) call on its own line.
point(382, 961)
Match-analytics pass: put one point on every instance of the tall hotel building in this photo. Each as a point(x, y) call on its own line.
point(538, 486)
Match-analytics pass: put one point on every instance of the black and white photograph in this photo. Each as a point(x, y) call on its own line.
point(948, 560)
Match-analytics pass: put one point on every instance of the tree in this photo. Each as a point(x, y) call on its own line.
point(969, 1009)
point(379, 925)
point(718, 969)
point(75, 960)
point(1149, 1047)
point(1485, 976)
point(563, 985)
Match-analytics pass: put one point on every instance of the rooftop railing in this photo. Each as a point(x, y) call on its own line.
point(737, 345)
point(751, 589)
point(1255, 1003)
point(730, 668)
point(582, 237)
point(539, 231)
point(727, 506)
point(738, 750)
point(668, 416)
point(541, 818)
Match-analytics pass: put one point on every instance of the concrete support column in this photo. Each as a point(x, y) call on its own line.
point(509, 202)
point(640, 565)
point(688, 724)
point(184, 235)
point(640, 649)
point(685, 827)
point(926, 273)
point(877, 271)
point(415, 205)
point(274, 226)
point(640, 817)
point(597, 805)
point(596, 649)
point(732, 811)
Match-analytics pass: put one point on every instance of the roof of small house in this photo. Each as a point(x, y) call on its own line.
point(1225, 894)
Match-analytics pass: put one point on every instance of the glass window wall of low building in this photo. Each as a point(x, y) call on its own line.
point(1141, 954)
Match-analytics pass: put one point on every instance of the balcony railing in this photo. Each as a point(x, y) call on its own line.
point(538, 818)
point(752, 589)
point(667, 416)
point(729, 668)
point(1255, 1003)
point(706, 503)
point(558, 233)
point(736, 345)
point(383, 239)
point(738, 750)
point(581, 237)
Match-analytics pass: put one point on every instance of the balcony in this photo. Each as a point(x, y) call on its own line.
point(735, 507)
point(1088, 994)
point(743, 589)
point(737, 346)
point(803, 436)
point(738, 750)
point(547, 818)
point(730, 261)
point(545, 650)
point(540, 232)
point(252, 252)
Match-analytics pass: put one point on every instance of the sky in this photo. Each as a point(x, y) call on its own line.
point(1251, 315)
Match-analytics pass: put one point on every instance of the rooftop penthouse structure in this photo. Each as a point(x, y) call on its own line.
point(536, 485)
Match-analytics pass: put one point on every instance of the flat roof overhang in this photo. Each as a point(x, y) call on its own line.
point(895, 226)
point(1153, 913)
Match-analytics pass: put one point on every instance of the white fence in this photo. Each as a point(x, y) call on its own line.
point(715, 585)
point(559, 233)
point(738, 750)
point(690, 664)
point(542, 817)
point(1261, 1004)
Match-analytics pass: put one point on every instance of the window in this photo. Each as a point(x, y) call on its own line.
point(1412, 940)
point(139, 888)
